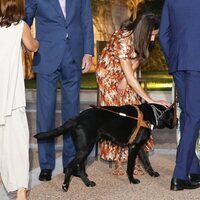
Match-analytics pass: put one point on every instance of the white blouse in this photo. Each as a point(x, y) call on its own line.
point(12, 90)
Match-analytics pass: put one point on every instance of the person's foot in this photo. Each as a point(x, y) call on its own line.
point(138, 170)
point(21, 194)
point(118, 170)
point(45, 175)
point(194, 178)
point(180, 184)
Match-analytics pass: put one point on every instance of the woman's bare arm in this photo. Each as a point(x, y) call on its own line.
point(29, 42)
point(129, 69)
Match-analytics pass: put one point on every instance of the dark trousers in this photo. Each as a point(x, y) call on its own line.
point(187, 84)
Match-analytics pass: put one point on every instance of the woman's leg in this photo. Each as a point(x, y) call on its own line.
point(14, 142)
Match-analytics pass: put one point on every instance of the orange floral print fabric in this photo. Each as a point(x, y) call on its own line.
point(109, 73)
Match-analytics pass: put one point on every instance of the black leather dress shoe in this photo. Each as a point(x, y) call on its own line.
point(45, 175)
point(194, 178)
point(179, 184)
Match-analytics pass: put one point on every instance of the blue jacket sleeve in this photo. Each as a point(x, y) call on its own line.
point(87, 26)
point(164, 32)
point(31, 7)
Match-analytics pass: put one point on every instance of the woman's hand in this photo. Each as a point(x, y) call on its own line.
point(29, 42)
point(121, 88)
point(161, 102)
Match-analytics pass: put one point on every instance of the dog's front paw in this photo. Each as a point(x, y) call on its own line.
point(152, 173)
point(135, 181)
point(155, 174)
point(65, 187)
point(91, 184)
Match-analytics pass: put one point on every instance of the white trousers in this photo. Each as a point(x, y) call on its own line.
point(14, 151)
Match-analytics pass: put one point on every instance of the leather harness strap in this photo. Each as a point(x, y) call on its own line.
point(140, 121)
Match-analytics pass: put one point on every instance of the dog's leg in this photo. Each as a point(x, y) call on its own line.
point(132, 153)
point(84, 176)
point(69, 171)
point(79, 168)
point(144, 157)
point(66, 182)
point(80, 159)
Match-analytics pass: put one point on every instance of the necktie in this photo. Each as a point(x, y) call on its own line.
point(62, 5)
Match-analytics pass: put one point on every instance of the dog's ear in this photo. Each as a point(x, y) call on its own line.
point(171, 118)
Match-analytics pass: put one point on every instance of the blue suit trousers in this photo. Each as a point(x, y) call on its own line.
point(69, 74)
point(187, 84)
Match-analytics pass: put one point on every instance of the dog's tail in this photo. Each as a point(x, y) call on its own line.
point(57, 131)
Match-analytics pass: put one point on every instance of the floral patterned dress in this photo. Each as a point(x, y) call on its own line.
point(109, 73)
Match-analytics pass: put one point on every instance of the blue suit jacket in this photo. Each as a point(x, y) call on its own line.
point(180, 34)
point(52, 28)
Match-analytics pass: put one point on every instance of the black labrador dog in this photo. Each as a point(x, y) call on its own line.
point(124, 125)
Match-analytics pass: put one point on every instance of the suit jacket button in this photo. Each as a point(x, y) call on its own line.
point(67, 37)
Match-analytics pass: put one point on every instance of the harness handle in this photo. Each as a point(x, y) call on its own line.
point(118, 113)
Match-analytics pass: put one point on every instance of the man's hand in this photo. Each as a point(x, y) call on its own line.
point(86, 63)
